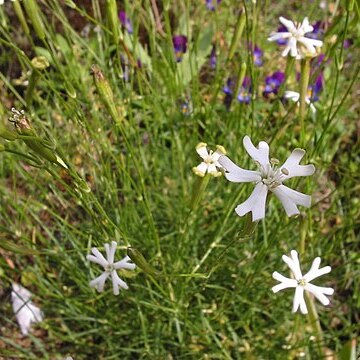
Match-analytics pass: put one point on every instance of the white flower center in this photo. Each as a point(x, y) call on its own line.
point(301, 282)
point(297, 31)
point(109, 268)
point(209, 159)
point(271, 175)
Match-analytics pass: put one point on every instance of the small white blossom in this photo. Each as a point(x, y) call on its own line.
point(25, 311)
point(295, 97)
point(110, 268)
point(302, 283)
point(269, 177)
point(210, 162)
point(298, 44)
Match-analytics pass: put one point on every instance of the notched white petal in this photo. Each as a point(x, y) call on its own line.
point(201, 149)
point(259, 154)
point(287, 23)
point(124, 264)
point(99, 282)
point(201, 169)
point(293, 167)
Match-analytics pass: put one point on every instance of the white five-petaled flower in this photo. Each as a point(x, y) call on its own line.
point(298, 44)
point(110, 268)
point(210, 163)
point(269, 177)
point(302, 283)
point(295, 96)
point(25, 311)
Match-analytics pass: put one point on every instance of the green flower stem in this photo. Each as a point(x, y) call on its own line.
point(198, 191)
point(290, 61)
point(304, 83)
point(303, 227)
point(315, 324)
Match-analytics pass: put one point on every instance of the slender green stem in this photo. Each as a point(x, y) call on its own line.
point(315, 324)
point(304, 83)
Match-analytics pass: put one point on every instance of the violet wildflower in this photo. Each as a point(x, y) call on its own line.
point(213, 58)
point(268, 177)
point(186, 107)
point(125, 21)
point(273, 83)
point(244, 95)
point(212, 4)
point(228, 90)
point(315, 89)
point(257, 56)
point(230, 85)
point(298, 45)
point(347, 43)
point(180, 46)
point(301, 282)
point(318, 30)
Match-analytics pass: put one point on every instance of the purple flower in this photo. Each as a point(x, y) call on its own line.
point(229, 87)
point(125, 21)
point(315, 89)
point(180, 46)
point(257, 54)
point(282, 41)
point(213, 59)
point(186, 107)
point(273, 83)
point(318, 30)
point(244, 95)
point(347, 43)
point(212, 4)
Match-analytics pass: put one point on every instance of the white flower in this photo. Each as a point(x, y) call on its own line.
point(301, 283)
point(298, 45)
point(295, 96)
point(210, 162)
point(110, 268)
point(25, 311)
point(269, 177)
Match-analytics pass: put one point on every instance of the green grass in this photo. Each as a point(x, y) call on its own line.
point(135, 150)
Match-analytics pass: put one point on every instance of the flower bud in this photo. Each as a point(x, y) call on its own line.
point(33, 12)
point(105, 92)
point(40, 62)
point(138, 259)
point(7, 134)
